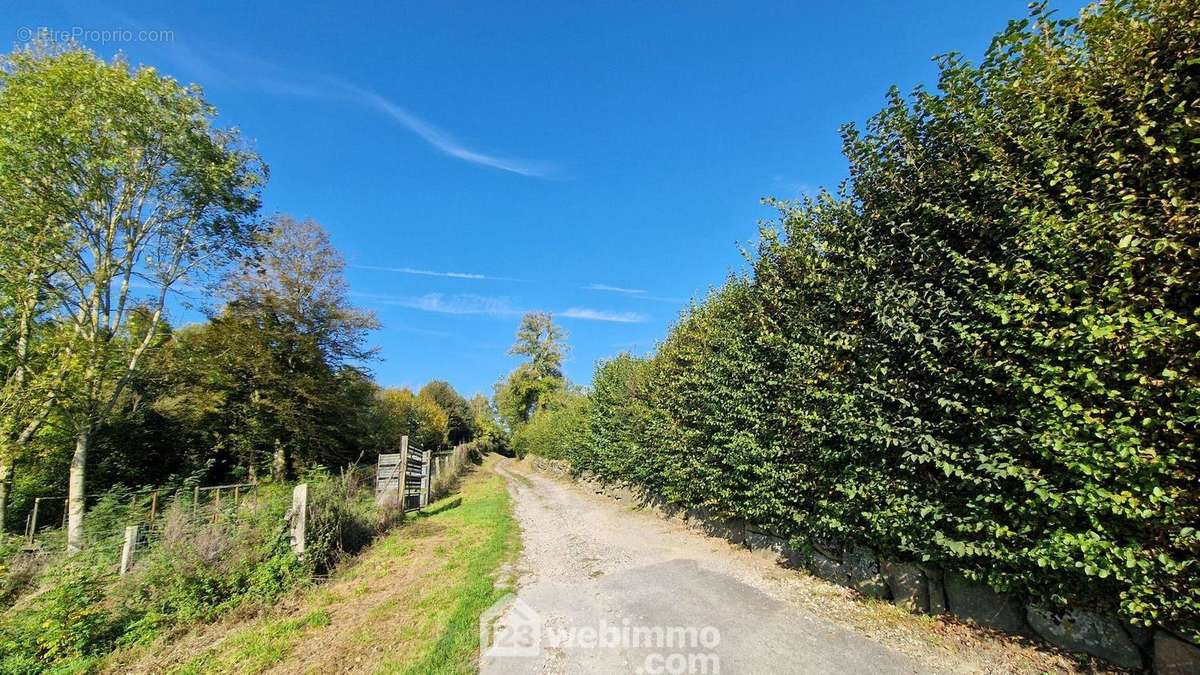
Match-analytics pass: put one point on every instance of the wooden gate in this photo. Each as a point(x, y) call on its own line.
point(404, 475)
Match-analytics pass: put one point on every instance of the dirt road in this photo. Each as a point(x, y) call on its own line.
point(590, 563)
point(608, 588)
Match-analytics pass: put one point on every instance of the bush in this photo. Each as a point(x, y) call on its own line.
point(343, 518)
point(555, 430)
point(64, 625)
point(619, 423)
point(196, 570)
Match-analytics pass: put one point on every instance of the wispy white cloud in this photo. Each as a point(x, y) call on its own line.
point(794, 189)
point(588, 314)
point(421, 331)
point(441, 303)
point(432, 273)
point(249, 71)
point(635, 293)
point(471, 304)
point(614, 289)
point(446, 143)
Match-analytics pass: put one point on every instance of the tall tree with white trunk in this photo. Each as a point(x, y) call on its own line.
point(145, 196)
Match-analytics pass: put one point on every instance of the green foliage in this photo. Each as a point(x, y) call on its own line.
point(460, 417)
point(555, 431)
point(403, 413)
point(983, 351)
point(535, 383)
point(620, 419)
point(343, 517)
point(64, 625)
point(489, 434)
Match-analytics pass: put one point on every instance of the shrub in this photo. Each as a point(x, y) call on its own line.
point(343, 518)
point(66, 624)
point(555, 430)
point(195, 570)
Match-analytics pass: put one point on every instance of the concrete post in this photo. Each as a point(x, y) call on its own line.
point(299, 516)
point(129, 549)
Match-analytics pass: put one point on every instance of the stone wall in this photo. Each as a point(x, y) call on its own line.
point(927, 589)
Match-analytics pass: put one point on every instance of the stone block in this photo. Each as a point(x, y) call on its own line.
point(935, 583)
point(768, 546)
point(1174, 655)
point(983, 605)
point(908, 585)
point(863, 570)
point(829, 569)
point(733, 530)
point(659, 506)
point(1083, 631)
point(619, 492)
point(830, 548)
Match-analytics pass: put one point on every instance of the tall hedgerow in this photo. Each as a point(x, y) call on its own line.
point(557, 430)
point(621, 444)
point(982, 351)
point(713, 385)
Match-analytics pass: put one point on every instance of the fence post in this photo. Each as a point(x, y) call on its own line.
point(299, 516)
point(195, 502)
point(130, 547)
point(153, 506)
point(403, 477)
point(426, 456)
point(33, 520)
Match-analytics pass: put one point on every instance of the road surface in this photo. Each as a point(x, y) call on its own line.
point(606, 588)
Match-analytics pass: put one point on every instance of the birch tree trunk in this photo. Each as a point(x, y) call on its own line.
point(75, 488)
point(6, 470)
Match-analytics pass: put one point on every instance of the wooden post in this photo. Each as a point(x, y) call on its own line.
point(66, 503)
point(237, 489)
point(33, 519)
point(299, 516)
point(195, 502)
point(403, 477)
point(153, 506)
point(425, 462)
point(130, 547)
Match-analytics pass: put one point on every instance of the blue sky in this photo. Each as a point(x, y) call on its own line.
point(472, 161)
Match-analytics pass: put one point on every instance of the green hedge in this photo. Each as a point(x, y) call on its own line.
point(554, 429)
point(982, 352)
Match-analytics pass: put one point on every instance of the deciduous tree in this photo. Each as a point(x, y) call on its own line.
point(146, 196)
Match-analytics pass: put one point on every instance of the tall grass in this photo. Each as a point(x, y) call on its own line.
point(198, 566)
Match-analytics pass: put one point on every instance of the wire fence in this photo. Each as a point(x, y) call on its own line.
point(108, 517)
point(121, 522)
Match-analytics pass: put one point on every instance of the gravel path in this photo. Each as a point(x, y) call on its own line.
point(615, 590)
